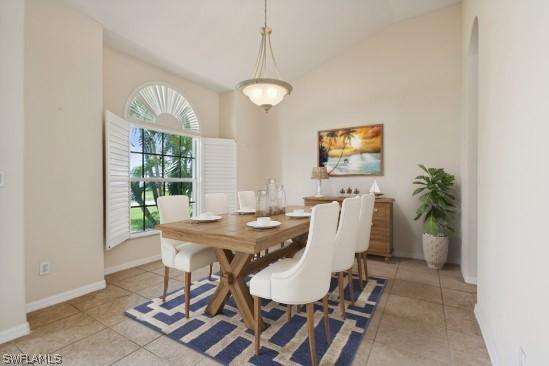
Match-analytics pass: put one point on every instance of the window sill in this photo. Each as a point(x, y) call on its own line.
point(144, 234)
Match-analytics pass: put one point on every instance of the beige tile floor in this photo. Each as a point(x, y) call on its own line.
point(425, 317)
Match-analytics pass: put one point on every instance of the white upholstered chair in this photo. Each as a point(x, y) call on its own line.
point(246, 200)
point(216, 203)
point(367, 202)
point(183, 256)
point(345, 246)
point(304, 280)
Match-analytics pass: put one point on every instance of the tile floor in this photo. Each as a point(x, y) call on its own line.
point(425, 317)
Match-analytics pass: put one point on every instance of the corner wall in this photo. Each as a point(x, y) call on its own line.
point(407, 77)
point(513, 276)
point(13, 321)
point(63, 150)
point(241, 120)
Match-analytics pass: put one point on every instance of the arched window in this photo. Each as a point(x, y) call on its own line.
point(163, 151)
point(159, 103)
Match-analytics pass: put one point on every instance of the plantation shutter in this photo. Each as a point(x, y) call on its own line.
point(117, 178)
point(218, 169)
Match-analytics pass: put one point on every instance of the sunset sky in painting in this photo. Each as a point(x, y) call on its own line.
point(366, 139)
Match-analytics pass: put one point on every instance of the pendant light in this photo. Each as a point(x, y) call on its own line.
point(263, 89)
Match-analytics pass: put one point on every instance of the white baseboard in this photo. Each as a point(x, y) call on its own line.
point(14, 332)
point(488, 339)
point(64, 296)
point(131, 264)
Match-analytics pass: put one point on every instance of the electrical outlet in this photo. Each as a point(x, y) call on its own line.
point(44, 268)
point(522, 357)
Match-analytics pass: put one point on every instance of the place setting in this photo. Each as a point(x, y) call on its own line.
point(204, 217)
point(299, 213)
point(245, 211)
point(263, 223)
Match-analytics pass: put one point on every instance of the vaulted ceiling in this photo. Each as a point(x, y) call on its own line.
point(215, 42)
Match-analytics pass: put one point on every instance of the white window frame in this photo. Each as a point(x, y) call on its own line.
point(195, 168)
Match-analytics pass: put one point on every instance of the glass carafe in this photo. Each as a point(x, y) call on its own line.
point(272, 193)
point(261, 204)
point(281, 200)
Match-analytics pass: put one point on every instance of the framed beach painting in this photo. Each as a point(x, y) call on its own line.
point(352, 150)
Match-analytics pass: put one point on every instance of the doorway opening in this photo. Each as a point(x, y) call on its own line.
point(469, 254)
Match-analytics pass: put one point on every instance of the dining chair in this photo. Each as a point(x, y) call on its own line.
point(246, 200)
point(183, 256)
point(367, 203)
point(216, 203)
point(345, 246)
point(304, 280)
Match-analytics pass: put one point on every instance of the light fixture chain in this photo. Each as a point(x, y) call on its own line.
point(277, 71)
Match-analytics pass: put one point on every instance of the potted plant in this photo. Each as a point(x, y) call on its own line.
point(436, 208)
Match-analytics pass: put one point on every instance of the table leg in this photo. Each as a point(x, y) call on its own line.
point(232, 283)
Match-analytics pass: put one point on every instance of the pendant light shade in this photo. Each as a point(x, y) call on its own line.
point(265, 91)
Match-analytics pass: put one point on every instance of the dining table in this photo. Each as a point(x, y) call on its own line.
point(238, 249)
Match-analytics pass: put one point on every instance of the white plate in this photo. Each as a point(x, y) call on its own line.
point(204, 219)
point(299, 215)
point(256, 225)
point(246, 211)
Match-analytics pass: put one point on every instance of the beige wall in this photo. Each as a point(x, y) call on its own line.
point(122, 74)
point(407, 77)
point(63, 149)
point(513, 276)
point(241, 120)
point(13, 322)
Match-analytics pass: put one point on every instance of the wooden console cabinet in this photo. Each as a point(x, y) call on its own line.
point(381, 237)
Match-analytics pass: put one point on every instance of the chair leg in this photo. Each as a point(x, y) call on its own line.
point(364, 260)
point(341, 294)
point(351, 286)
point(311, 331)
point(166, 279)
point(257, 323)
point(187, 293)
point(360, 274)
point(326, 319)
point(289, 312)
point(210, 274)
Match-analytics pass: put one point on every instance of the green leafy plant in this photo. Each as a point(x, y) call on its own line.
point(436, 201)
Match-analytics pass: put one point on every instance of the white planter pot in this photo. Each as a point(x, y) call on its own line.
point(435, 250)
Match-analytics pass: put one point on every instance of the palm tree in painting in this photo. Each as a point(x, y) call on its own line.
point(332, 135)
point(345, 135)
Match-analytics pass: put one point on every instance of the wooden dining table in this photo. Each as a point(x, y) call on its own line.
point(237, 247)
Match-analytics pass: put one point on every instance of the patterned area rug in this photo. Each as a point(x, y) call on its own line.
point(225, 338)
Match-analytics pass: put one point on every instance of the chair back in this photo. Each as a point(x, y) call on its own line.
point(246, 200)
point(367, 202)
point(173, 208)
point(345, 242)
point(216, 203)
point(309, 279)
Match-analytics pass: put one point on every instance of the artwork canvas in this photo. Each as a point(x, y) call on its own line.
point(352, 150)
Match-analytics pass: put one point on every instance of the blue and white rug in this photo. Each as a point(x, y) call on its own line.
point(225, 338)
